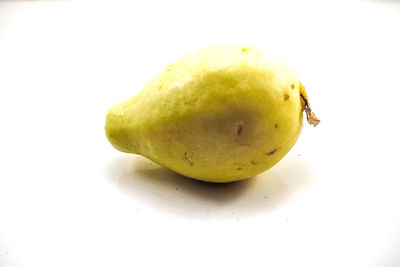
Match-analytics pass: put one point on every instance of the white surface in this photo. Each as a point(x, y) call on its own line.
point(67, 198)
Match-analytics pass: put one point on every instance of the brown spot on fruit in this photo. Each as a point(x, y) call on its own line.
point(292, 86)
point(276, 126)
point(286, 96)
point(253, 162)
point(271, 152)
point(188, 158)
point(239, 128)
point(238, 169)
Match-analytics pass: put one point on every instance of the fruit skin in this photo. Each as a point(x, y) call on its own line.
point(220, 114)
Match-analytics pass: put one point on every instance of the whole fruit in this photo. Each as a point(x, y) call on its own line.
point(220, 114)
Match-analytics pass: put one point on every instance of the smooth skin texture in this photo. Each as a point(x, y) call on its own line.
point(220, 114)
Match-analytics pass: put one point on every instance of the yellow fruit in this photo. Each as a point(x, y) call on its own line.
point(220, 114)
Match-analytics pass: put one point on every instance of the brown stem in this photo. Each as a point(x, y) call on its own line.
point(311, 118)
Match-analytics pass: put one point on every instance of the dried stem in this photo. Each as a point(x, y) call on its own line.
point(311, 118)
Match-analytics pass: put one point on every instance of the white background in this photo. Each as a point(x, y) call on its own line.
point(67, 198)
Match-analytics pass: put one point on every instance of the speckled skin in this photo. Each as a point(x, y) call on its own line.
point(220, 114)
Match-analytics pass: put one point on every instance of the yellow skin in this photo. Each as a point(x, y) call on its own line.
point(220, 114)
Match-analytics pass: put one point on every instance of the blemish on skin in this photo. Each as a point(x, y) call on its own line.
point(188, 158)
point(253, 162)
point(271, 152)
point(276, 126)
point(286, 96)
point(238, 169)
point(239, 128)
point(292, 86)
